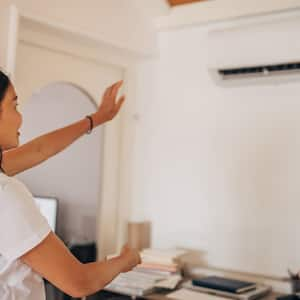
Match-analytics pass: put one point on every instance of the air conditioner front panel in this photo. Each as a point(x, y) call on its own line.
point(262, 44)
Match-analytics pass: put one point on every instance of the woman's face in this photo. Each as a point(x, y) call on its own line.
point(10, 120)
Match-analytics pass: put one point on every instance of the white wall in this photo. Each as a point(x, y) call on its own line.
point(217, 168)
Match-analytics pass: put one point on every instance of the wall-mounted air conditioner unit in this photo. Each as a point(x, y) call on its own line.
point(264, 53)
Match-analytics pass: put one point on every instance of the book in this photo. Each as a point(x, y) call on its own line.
point(134, 283)
point(138, 284)
point(169, 283)
point(155, 271)
point(164, 253)
point(158, 259)
point(260, 291)
point(153, 266)
point(129, 291)
point(167, 257)
point(224, 284)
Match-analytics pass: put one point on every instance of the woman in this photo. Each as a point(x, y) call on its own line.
point(29, 249)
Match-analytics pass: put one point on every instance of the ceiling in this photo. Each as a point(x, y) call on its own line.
point(180, 2)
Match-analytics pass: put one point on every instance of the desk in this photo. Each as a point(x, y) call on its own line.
point(270, 296)
point(162, 296)
point(55, 294)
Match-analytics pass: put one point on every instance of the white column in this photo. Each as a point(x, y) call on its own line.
point(141, 87)
point(9, 21)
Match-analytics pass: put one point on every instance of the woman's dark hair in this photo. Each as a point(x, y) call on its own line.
point(4, 84)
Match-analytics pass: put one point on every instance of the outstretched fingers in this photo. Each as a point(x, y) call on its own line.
point(115, 88)
point(119, 103)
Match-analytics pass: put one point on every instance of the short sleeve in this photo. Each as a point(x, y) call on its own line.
point(22, 225)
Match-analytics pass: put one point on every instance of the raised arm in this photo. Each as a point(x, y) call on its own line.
point(43, 147)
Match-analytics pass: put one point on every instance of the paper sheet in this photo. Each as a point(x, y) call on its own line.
point(185, 294)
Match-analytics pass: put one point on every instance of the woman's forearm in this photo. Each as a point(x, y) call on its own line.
point(97, 275)
point(56, 141)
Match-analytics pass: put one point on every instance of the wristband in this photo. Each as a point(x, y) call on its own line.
point(91, 124)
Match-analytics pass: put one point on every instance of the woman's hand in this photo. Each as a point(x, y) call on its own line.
point(131, 258)
point(109, 107)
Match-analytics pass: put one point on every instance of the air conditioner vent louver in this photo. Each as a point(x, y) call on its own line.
point(256, 71)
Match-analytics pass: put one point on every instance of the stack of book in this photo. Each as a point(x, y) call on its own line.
point(134, 283)
point(159, 269)
point(161, 261)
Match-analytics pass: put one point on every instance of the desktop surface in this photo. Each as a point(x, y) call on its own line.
point(163, 296)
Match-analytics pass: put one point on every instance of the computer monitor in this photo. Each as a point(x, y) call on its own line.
point(48, 208)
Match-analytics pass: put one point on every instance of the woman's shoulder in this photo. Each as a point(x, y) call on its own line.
point(13, 189)
point(10, 180)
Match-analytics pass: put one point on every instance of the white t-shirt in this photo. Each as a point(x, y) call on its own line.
point(22, 227)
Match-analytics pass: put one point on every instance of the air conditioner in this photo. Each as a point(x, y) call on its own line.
point(261, 53)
